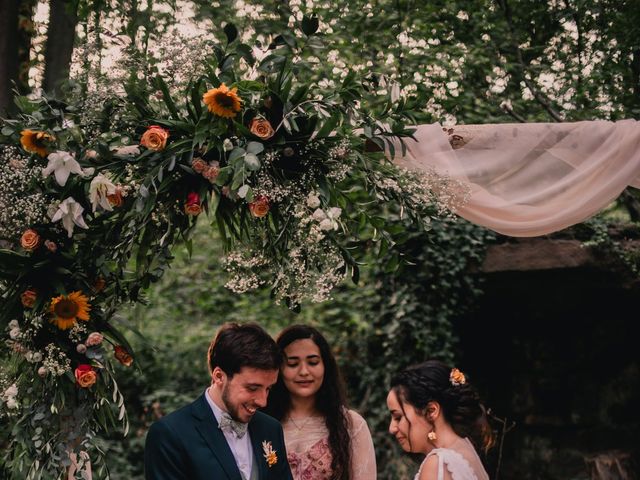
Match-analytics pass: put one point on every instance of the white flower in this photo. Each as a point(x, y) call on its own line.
point(14, 324)
point(313, 201)
point(327, 220)
point(12, 404)
point(334, 212)
point(319, 215)
point(326, 225)
point(11, 391)
point(37, 356)
point(132, 150)
point(14, 333)
point(100, 187)
point(70, 212)
point(227, 145)
point(62, 164)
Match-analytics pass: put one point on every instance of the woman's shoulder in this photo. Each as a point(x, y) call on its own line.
point(356, 422)
point(355, 418)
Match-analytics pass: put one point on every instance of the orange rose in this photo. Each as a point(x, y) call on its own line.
point(259, 207)
point(155, 138)
point(28, 298)
point(115, 199)
point(261, 128)
point(123, 356)
point(86, 376)
point(193, 207)
point(30, 240)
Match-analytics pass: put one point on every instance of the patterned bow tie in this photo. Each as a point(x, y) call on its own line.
point(228, 424)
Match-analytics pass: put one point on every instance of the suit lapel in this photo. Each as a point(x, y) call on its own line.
point(207, 426)
point(256, 443)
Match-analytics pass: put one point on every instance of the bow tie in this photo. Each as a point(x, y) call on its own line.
point(228, 424)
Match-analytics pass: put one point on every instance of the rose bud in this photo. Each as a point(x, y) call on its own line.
point(123, 356)
point(259, 207)
point(28, 298)
point(192, 207)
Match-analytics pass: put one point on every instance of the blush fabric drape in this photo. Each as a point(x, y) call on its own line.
point(531, 179)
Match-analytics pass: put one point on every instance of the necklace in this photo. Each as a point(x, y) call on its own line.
point(300, 426)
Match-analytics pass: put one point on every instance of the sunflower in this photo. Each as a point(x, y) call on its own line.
point(67, 309)
point(222, 102)
point(35, 141)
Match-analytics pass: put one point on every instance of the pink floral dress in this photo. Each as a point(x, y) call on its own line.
point(309, 454)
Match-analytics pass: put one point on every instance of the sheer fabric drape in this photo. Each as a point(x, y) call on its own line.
point(532, 179)
point(308, 449)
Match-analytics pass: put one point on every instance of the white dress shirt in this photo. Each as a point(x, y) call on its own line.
point(240, 447)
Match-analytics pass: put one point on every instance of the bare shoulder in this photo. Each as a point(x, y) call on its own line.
point(429, 469)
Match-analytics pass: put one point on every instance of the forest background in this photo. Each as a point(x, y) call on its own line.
point(472, 61)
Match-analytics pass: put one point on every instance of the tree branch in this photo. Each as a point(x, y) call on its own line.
point(530, 85)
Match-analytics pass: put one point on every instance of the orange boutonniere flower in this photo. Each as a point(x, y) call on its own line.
point(269, 454)
point(222, 101)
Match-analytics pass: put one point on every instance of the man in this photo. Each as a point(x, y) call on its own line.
point(222, 435)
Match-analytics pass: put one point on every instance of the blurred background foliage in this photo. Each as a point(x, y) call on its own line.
point(473, 61)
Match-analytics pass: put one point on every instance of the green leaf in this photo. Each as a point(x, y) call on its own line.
point(255, 147)
point(310, 25)
point(231, 32)
point(252, 162)
point(224, 175)
point(236, 153)
point(166, 96)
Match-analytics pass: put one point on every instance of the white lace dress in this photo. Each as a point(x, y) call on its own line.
point(459, 462)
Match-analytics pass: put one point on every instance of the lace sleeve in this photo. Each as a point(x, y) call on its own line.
point(363, 457)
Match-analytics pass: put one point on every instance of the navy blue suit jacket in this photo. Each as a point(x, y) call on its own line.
point(188, 445)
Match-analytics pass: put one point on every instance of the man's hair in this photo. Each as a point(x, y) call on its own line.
point(248, 345)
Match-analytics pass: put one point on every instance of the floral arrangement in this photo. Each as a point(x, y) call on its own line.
point(90, 208)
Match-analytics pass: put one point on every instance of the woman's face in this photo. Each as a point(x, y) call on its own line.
point(408, 426)
point(303, 369)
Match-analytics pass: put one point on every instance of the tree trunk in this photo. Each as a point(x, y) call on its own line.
point(16, 33)
point(63, 18)
point(8, 51)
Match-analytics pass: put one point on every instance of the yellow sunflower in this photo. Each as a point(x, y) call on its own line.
point(66, 310)
point(35, 141)
point(222, 102)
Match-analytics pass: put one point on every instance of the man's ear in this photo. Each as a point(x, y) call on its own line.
point(218, 377)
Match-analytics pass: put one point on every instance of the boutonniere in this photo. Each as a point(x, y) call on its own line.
point(269, 453)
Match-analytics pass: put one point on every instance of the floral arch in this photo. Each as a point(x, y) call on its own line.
point(94, 199)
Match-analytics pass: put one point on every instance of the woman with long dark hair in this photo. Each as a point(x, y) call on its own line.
point(324, 439)
point(435, 412)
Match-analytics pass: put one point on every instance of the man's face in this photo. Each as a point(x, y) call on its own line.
point(245, 392)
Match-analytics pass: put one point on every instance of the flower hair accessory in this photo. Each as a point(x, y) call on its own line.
point(269, 453)
point(456, 377)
